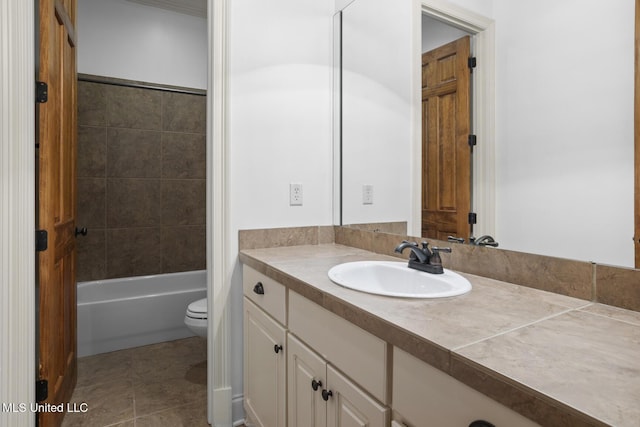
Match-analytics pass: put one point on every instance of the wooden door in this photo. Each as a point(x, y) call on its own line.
point(349, 406)
point(264, 368)
point(446, 154)
point(57, 204)
point(306, 379)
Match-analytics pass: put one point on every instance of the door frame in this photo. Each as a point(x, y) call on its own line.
point(219, 259)
point(482, 106)
point(17, 217)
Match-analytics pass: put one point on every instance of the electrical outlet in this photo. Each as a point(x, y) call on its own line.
point(367, 194)
point(295, 194)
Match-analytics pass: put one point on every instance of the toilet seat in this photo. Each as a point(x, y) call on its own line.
point(197, 309)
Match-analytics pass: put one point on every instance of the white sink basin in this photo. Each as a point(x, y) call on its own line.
point(397, 280)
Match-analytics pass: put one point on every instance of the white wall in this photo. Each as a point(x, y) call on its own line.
point(376, 109)
point(564, 136)
point(280, 64)
point(280, 112)
point(120, 39)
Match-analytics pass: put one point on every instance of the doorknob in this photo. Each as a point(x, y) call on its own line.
point(82, 231)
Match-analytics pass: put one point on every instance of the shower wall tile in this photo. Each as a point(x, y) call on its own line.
point(134, 108)
point(91, 254)
point(184, 248)
point(184, 155)
point(184, 113)
point(134, 153)
point(141, 189)
point(133, 252)
point(92, 104)
point(91, 206)
point(133, 203)
point(184, 202)
point(92, 151)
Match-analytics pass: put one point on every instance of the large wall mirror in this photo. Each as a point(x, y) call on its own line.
point(552, 103)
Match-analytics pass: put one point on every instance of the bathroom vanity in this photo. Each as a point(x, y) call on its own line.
point(320, 354)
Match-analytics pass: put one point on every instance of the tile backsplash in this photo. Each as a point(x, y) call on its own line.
point(615, 286)
point(141, 180)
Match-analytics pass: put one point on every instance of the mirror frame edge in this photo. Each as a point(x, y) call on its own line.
point(636, 136)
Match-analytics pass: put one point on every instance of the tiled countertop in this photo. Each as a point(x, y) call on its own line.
point(555, 359)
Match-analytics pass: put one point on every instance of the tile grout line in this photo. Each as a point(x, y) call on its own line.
point(551, 316)
point(628, 322)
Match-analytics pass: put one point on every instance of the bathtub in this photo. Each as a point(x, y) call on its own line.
point(130, 312)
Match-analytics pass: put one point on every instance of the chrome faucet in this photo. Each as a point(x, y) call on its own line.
point(485, 240)
point(423, 258)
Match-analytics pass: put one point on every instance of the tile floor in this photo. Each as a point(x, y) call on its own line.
point(156, 385)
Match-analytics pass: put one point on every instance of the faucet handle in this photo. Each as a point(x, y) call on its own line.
point(438, 249)
point(435, 258)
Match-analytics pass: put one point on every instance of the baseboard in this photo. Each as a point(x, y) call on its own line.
point(222, 407)
point(237, 410)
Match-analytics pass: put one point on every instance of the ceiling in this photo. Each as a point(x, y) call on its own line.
point(188, 7)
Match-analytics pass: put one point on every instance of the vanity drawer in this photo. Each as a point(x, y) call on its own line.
point(422, 392)
point(351, 349)
point(265, 293)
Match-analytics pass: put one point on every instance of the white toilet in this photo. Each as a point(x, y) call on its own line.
point(196, 317)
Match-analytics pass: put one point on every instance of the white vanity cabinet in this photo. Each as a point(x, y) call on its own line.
point(305, 366)
point(264, 350)
point(320, 396)
point(425, 396)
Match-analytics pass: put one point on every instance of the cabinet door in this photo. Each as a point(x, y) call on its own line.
point(349, 406)
point(425, 396)
point(264, 368)
point(306, 379)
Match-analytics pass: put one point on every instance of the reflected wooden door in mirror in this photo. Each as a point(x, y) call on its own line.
point(446, 154)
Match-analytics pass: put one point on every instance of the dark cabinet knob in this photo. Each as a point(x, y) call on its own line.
point(277, 348)
point(258, 288)
point(326, 394)
point(81, 231)
point(481, 423)
point(315, 385)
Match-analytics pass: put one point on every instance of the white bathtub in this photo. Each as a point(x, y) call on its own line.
point(116, 314)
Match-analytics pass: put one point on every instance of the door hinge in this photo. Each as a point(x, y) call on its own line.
point(42, 92)
point(473, 218)
point(42, 390)
point(471, 63)
point(472, 141)
point(42, 239)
